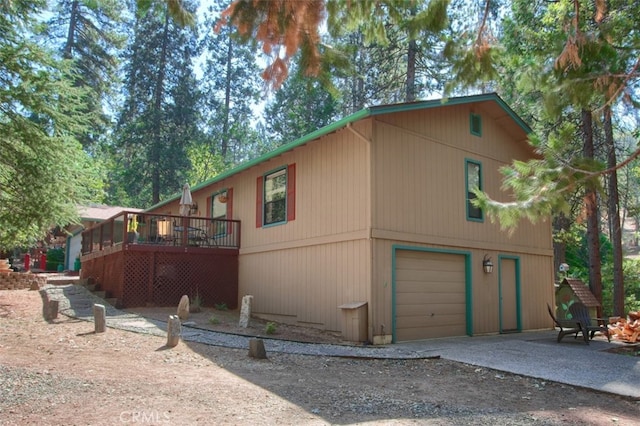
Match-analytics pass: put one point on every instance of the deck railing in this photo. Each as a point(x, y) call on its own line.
point(161, 230)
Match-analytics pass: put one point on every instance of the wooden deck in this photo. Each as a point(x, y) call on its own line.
point(158, 269)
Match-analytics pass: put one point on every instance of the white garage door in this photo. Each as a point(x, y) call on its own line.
point(430, 295)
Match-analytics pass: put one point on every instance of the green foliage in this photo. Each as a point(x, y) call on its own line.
point(230, 87)
point(271, 328)
point(90, 36)
point(577, 255)
point(631, 271)
point(204, 164)
point(159, 118)
point(577, 258)
point(55, 259)
point(213, 320)
point(221, 306)
point(300, 107)
point(541, 187)
point(43, 171)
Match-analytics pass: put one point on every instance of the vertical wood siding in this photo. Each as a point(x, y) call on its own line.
point(419, 176)
point(418, 199)
point(355, 199)
point(305, 285)
point(536, 288)
point(301, 271)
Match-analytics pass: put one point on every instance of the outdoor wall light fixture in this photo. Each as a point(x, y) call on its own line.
point(194, 208)
point(163, 227)
point(487, 264)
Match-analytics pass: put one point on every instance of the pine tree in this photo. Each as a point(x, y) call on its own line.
point(43, 170)
point(159, 117)
point(301, 106)
point(88, 34)
point(231, 88)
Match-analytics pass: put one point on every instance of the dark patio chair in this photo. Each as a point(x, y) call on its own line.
point(590, 326)
point(566, 326)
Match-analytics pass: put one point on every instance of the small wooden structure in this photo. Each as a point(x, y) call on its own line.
point(570, 291)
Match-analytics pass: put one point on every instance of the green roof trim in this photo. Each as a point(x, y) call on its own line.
point(364, 113)
point(387, 109)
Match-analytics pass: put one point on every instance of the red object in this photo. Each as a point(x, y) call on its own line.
point(27, 261)
point(43, 262)
point(291, 192)
point(259, 189)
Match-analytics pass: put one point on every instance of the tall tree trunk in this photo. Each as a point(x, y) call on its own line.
point(411, 71)
point(411, 65)
point(614, 217)
point(560, 223)
point(227, 102)
point(592, 213)
point(158, 94)
point(73, 21)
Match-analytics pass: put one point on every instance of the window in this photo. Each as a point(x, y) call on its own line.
point(219, 211)
point(276, 197)
point(475, 124)
point(473, 179)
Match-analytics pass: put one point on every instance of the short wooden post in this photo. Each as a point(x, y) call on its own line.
point(173, 331)
point(50, 310)
point(256, 349)
point(100, 318)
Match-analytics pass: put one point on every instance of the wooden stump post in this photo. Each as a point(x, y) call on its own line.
point(173, 331)
point(99, 316)
point(256, 349)
point(50, 310)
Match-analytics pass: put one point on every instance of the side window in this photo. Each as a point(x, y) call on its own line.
point(276, 197)
point(475, 124)
point(219, 211)
point(473, 180)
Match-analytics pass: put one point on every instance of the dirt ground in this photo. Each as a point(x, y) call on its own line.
point(61, 373)
point(227, 321)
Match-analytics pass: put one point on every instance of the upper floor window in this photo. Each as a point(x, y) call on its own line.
point(276, 197)
point(475, 124)
point(473, 180)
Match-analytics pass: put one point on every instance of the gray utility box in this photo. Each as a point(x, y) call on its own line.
point(354, 321)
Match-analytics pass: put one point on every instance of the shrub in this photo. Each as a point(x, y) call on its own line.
point(270, 328)
point(221, 306)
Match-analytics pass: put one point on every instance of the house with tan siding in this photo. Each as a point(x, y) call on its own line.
point(370, 220)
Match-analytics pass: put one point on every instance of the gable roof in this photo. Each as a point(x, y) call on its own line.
point(100, 212)
point(505, 113)
point(582, 292)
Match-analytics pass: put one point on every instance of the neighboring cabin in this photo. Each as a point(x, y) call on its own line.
point(90, 215)
point(376, 208)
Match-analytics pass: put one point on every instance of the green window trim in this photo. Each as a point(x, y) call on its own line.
point(475, 124)
point(472, 180)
